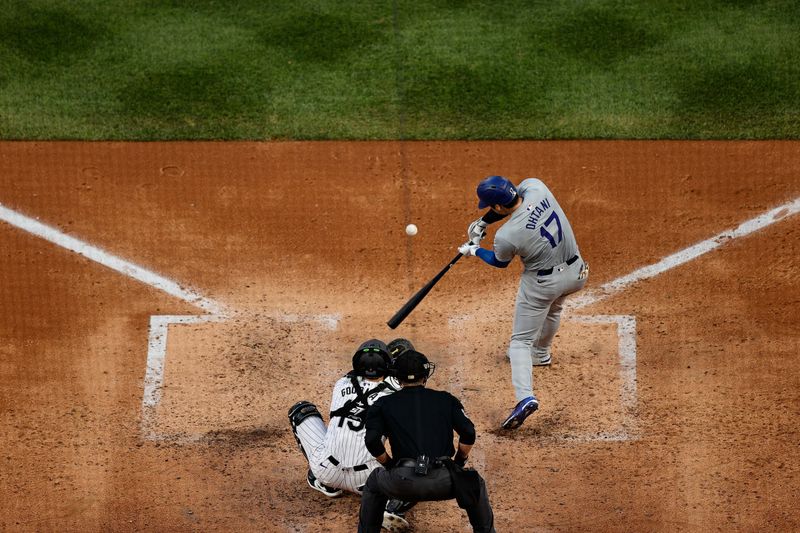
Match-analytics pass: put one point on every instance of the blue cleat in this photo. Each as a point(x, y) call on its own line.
point(522, 411)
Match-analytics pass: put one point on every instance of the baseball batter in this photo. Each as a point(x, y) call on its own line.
point(337, 456)
point(537, 230)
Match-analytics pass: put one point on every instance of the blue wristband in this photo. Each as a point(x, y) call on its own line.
point(490, 259)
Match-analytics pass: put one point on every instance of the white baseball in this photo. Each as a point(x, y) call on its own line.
point(411, 229)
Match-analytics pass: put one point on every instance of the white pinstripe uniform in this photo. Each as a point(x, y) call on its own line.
point(337, 455)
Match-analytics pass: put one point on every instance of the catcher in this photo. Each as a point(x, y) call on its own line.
point(337, 456)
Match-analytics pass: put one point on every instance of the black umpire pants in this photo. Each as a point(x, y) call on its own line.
point(401, 483)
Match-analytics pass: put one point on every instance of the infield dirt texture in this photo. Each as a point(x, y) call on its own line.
point(672, 404)
point(163, 304)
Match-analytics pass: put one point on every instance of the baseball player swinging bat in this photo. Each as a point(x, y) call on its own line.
point(419, 295)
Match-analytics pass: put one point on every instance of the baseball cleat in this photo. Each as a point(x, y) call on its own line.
point(399, 507)
point(314, 483)
point(522, 410)
point(394, 522)
point(542, 360)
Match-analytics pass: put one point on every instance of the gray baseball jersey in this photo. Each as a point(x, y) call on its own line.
point(538, 231)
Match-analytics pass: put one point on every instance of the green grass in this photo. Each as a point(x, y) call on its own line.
point(446, 69)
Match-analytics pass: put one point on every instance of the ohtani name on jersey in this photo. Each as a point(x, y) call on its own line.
point(536, 213)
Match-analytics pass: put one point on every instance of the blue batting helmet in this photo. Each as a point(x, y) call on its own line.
point(495, 190)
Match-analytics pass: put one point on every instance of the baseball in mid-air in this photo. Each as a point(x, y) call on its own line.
point(411, 229)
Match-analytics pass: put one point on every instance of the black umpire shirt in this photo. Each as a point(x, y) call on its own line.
point(417, 421)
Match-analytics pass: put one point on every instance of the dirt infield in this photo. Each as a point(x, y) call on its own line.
point(672, 404)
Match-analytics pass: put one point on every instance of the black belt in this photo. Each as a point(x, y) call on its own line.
point(548, 271)
point(357, 468)
point(436, 463)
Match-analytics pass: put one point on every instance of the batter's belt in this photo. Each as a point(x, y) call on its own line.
point(548, 271)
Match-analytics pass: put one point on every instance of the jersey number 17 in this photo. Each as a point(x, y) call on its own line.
point(549, 236)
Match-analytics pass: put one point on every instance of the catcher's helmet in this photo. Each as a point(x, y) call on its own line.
point(412, 365)
point(495, 190)
point(398, 346)
point(372, 359)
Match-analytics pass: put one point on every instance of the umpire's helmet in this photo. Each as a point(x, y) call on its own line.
point(398, 346)
point(372, 359)
point(496, 190)
point(412, 365)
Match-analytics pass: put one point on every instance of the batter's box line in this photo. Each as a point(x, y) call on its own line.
point(157, 354)
point(626, 352)
point(215, 310)
point(159, 324)
point(628, 393)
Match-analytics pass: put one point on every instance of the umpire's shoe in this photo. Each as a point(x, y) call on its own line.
point(394, 522)
point(523, 409)
point(314, 483)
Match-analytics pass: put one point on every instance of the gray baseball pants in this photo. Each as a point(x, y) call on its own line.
point(540, 300)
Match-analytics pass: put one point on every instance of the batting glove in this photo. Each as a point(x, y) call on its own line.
point(468, 249)
point(476, 231)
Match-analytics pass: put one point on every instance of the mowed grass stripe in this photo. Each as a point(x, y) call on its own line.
point(205, 69)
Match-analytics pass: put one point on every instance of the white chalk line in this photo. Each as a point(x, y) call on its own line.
point(157, 351)
point(156, 355)
point(157, 339)
point(93, 253)
point(159, 324)
point(626, 324)
point(687, 254)
point(628, 395)
point(626, 354)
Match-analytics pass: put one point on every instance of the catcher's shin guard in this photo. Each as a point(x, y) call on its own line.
point(302, 410)
point(299, 412)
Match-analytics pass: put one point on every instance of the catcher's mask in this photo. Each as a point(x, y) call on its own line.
point(372, 359)
point(398, 346)
point(412, 365)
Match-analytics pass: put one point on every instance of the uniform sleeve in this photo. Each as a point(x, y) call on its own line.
point(503, 250)
point(373, 437)
point(462, 424)
point(528, 184)
point(336, 394)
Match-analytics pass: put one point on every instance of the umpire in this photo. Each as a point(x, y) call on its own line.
point(419, 425)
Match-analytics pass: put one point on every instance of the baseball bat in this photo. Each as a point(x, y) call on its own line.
point(419, 295)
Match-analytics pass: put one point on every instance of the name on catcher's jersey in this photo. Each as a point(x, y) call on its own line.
point(345, 436)
point(538, 230)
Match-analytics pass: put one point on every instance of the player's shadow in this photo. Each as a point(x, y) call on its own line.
point(550, 426)
point(245, 437)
